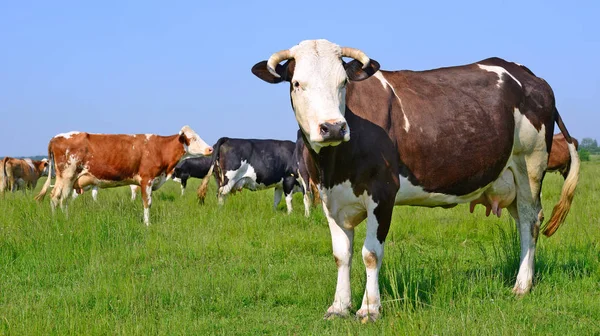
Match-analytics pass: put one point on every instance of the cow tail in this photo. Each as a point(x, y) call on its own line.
point(40, 197)
point(203, 188)
point(4, 182)
point(561, 209)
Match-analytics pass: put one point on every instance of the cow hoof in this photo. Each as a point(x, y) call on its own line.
point(367, 315)
point(520, 291)
point(333, 313)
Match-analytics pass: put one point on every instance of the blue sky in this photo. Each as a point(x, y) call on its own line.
point(152, 67)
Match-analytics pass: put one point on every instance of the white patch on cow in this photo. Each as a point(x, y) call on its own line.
point(410, 194)
point(343, 205)
point(149, 203)
point(30, 163)
point(321, 94)
point(133, 188)
point(386, 84)
point(147, 216)
point(499, 71)
point(95, 193)
point(67, 135)
point(288, 202)
point(148, 136)
point(244, 176)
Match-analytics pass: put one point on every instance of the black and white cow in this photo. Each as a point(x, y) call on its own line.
point(474, 133)
point(196, 167)
point(254, 164)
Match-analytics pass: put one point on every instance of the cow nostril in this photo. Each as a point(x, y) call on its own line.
point(323, 129)
point(343, 129)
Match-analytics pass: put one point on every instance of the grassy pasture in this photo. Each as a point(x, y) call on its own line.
point(246, 269)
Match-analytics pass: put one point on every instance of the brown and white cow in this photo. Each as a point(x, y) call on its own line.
point(427, 138)
point(112, 160)
point(21, 173)
point(560, 159)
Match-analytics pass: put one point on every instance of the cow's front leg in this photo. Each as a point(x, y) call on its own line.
point(378, 223)
point(342, 241)
point(146, 187)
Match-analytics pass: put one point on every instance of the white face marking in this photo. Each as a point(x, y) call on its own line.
point(197, 146)
point(67, 135)
point(321, 92)
point(499, 71)
point(386, 84)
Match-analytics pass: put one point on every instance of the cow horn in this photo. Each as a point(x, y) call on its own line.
point(275, 59)
point(357, 55)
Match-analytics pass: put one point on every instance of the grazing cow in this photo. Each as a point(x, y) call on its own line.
point(559, 159)
point(196, 167)
point(21, 173)
point(253, 164)
point(479, 132)
point(112, 160)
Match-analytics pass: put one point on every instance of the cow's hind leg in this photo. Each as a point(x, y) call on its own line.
point(528, 214)
point(277, 197)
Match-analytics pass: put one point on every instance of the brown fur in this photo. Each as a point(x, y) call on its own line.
point(560, 159)
point(111, 160)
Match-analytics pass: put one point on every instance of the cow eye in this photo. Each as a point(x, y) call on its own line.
point(296, 84)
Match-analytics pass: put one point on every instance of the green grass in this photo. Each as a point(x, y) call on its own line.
point(246, 269)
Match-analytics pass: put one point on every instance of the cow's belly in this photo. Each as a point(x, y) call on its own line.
point(410, 194)
point(86, 179)
point(245, 178)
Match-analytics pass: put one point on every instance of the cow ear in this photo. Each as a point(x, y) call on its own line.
point(183, 139)
point(356, 73)
point(285, 72)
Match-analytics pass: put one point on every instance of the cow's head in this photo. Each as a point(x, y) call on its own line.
point(193, 143)
point(42, 167)
point(318, 78)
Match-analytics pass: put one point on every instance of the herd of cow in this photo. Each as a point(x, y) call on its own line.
point(369, 139)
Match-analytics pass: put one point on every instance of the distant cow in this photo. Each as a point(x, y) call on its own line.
point(479, 132)
point(255, 165)
point(560, 159)
point(112, 160)
point(196, 167)
point(21, 173)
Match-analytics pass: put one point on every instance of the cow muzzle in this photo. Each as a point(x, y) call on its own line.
point(334, 132)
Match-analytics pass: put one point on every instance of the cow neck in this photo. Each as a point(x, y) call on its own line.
point(172, 150)
point(330, 165)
